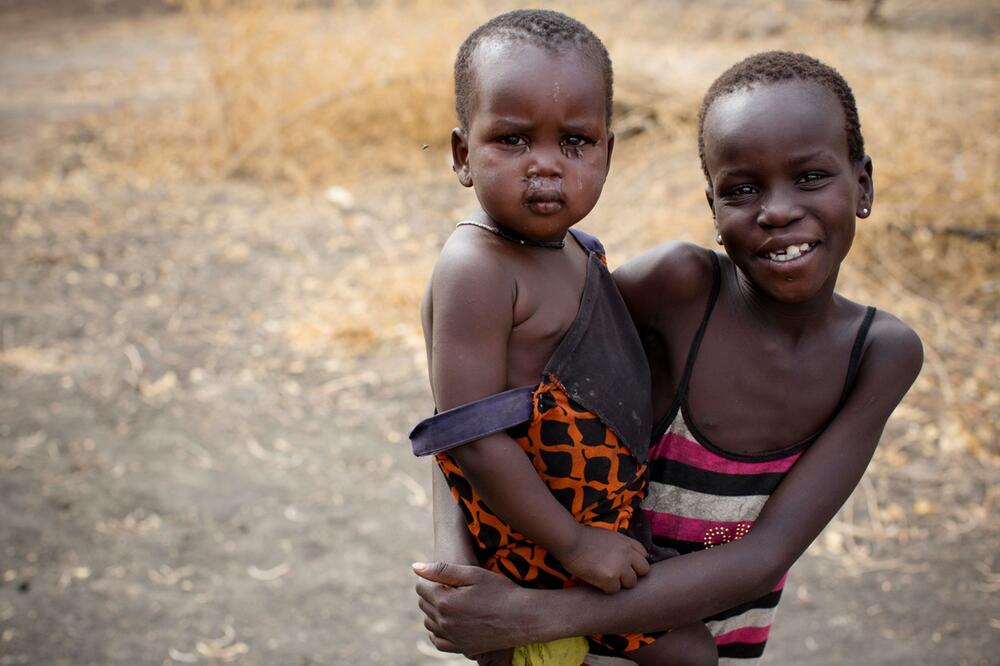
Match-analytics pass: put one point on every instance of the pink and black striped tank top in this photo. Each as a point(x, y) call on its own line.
point(701, 496)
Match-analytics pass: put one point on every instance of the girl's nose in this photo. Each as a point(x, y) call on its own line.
point(779, 212)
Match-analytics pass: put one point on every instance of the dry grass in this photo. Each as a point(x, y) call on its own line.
point(360, 95)
point(305, 96)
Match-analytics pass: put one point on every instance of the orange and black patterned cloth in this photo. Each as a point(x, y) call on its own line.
point(585, 427)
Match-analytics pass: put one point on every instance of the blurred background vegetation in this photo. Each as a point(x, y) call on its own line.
point(218, 217)
point(305, 95)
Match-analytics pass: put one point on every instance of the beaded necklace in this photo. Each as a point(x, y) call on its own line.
point(506, 235)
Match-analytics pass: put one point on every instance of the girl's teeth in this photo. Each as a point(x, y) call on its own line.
point(789, 253)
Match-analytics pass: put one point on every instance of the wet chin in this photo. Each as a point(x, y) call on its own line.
point(798, 289)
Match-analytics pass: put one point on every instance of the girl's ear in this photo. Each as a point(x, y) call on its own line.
point(460, 156)
point(710, 197)
point(866, 187)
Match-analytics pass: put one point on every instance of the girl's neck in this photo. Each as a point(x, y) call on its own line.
point(792, 319)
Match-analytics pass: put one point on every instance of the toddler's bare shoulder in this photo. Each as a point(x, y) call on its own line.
point(471, 268)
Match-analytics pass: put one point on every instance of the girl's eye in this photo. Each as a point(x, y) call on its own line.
point(739, 191)
point(811, 178)
point(511, 140)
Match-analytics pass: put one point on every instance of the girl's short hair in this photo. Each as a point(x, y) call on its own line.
point(776, 66)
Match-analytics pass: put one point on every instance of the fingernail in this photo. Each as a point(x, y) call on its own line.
point(418, 566)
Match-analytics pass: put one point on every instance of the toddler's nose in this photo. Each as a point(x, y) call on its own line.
point(545, 163)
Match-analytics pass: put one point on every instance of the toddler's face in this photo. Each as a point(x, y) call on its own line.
point(783, 190)
point(537, 147)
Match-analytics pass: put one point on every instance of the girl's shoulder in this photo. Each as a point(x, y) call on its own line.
point(669, 275)
point(895, 341)
point(889, 342)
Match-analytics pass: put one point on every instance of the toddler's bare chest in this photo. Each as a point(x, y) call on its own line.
point(546, 308)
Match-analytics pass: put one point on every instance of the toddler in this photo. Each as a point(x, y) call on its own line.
point(535, 364)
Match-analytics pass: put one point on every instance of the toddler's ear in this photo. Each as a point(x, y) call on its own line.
point(460, 157)
point(710, 198)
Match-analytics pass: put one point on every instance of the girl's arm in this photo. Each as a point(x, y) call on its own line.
point(478, 611)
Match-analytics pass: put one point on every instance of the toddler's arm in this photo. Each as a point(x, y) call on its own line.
point(473, 299)
point(452, 541)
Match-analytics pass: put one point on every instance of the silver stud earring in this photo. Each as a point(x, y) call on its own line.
point(718, 238)
point(864, 211)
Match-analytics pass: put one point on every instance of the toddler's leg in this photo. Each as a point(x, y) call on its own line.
point(692, 645)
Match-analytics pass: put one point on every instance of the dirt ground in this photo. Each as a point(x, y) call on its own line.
point(191, 472)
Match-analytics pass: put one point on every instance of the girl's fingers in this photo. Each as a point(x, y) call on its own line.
point(428, 609)
point(451, 575)
point(443, 644)
point(428, 590)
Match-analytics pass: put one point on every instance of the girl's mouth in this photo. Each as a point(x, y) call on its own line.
point(791, 252)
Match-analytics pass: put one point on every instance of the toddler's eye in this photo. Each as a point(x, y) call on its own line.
point(511, 140)
point(575, 141)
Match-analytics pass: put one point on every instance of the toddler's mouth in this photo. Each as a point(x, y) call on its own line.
point(544, 204)
point(544, 195)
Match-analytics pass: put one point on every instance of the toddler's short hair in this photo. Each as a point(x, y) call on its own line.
point(546, 29)
point(776, 66)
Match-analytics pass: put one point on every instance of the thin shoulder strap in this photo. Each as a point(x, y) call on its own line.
point(696, 344)
point(661, 426)
point(855, 362)
point(589, 242)
point(852, 370)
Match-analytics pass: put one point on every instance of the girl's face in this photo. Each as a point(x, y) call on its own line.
point(783, 192)
point(537, 147)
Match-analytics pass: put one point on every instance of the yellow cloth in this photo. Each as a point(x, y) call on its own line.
point(563, 652)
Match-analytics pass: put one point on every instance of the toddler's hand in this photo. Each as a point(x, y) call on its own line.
point(605, 559)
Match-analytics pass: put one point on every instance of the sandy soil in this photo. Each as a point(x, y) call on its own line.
point(182, 482)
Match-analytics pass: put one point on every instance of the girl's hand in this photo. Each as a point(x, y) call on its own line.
point(471, 610)
point(496, 658)
point(607, 560)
